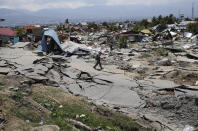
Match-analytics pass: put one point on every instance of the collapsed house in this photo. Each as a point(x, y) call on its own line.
point(33, 32)
point(34, 35)
point(7, 35)
point(131, 36)
point(51, 45)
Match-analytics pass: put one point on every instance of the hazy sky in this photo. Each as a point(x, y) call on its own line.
point(35, 5)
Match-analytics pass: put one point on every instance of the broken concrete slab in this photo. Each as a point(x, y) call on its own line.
point(36, 69)
point(192, 56)
point(4, 71)
point(36, 77)
point(20, 45)
point(3, 63)
point(53, 76)
point(18, 56)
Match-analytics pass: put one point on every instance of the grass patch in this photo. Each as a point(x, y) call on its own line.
point(80, 110)
point(1, 86)
point(145, 55)
point(161, 52)
point(63, 107)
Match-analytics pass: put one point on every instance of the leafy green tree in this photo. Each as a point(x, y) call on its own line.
point(137, 27)
point(144, 23)
point(93, 25)
point(20, 32)
point(162, 26)
point(112, 27)
point(160, 18)
point(171, 19)
point(155, 21)
point(105, 24)
point(193, 27)
point(59, 28)
point(196, 19)
point(123, 42)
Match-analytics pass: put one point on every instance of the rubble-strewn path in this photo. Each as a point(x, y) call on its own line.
point(124, 94)
point(160, 103)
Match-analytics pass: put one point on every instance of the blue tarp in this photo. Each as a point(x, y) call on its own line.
point(16, 40)
point(51, 33)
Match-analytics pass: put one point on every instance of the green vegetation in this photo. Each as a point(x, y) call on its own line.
point(1, 86)
point(160, 20)
point(112, 27)
point(18, 96)
point(59, 28)
point(162, 26)
point(138, 27)
point(105, 24)
point(193, 27)
point(122, 42)
point(145, 55)
point(161, 52)
point(196, 19)
point(93, 25)
point(64, 107)
point(20, 32)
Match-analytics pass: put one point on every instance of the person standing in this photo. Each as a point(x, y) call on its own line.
point(98, 61)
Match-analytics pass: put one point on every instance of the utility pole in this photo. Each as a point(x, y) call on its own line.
point(192, 10)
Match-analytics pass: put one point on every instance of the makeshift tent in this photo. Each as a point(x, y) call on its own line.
point(48, 47)
point(67, 48)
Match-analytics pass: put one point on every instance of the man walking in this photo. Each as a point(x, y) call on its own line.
point(98, 61)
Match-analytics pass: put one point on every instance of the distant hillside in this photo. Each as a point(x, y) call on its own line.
point(22, 17)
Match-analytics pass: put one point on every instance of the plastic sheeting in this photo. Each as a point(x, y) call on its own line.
point(51, 33)
point(173, 33)
point(68, 47)
point(74, 48)
point(187, 34)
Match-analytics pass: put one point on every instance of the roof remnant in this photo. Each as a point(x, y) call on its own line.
point(7, 32)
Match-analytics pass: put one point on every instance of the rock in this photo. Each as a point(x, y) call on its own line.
point(167, 106)
point(72, 73)
point(156, 125)
point(3, 63)
point(39, 53)
point(36, 69)
point(54, 76)
point(36, 77)
point(40, 69)
point(13, 89)
point(4, 71)
point(196, 83)
point(20, 45)
point(164, 62)
point(48, 65)
point(192, 56)
point(52, 83)
point(46, 128)
point(196, 101)
point(59, 59)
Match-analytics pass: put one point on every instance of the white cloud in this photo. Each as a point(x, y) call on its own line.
point(35, 5)
point(142, 2)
